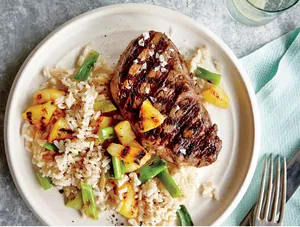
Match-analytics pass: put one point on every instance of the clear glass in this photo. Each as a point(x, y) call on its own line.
point(257, 12)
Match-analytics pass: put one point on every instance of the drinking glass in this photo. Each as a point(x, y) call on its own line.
point(257, 12)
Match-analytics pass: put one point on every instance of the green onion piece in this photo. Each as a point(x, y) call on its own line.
point(211, 77)
point(89, 201)
point(184, 217)
point(76, 202)
point(111, 172)
point(167, 180)
point(84, 71)
point(104, 106)
point(117, 166)
point(45, 182)
point(181, 218)
point(151, 169)
point(51, 147)
point(106, 133)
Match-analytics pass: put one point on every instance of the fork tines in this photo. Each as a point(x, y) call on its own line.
point(272, 200)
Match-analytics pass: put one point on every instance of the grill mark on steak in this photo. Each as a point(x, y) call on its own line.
point(139, 78)
point(187, 113)
point(161, 79)
point(137, 49)
point(135, 98)
point(187, 136)
point(185, 121)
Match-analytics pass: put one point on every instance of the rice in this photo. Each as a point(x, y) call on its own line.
point(80, 159)
point(217, 65)
point(208, 190)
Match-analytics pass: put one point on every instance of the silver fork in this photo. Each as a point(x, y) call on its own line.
point(267, 208)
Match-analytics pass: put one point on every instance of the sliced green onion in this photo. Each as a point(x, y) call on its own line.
point(45, 182)
point(88, 199)
point(104, 106)
point(204, 74)
point(117, 169)
point(76, 202)
point(117, 166)
point(51, 147)
point(86, 68)
point(184, 217)
point(106, 133)
point(168, 182)
point(151, 169)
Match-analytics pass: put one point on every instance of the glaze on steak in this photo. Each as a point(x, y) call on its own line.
point(152, 68)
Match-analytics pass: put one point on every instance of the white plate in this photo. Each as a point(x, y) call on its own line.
point(111, 28)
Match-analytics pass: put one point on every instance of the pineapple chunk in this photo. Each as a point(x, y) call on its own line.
point(129, 207)
point(131, 166)
point(102, 122)
point(105, 122)
point(115, 149)
point(45, 95)
point(104, 106)
point(126, 153)
point(216, 96)
point(132, 154)
point(134, 143)
point(60, 131)
point(124, 132)
point(40, 115)
point(150, 117)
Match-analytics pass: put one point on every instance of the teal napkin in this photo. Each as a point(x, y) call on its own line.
point(274, 71)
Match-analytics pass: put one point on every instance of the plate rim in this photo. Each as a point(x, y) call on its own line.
point(125, 7)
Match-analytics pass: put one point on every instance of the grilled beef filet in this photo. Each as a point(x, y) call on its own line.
point(152, 68)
